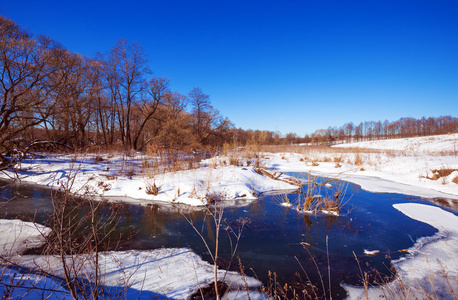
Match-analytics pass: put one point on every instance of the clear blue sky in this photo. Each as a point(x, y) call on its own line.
point(289, 66)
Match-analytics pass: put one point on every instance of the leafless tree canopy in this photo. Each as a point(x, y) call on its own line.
point(402, 128)
point(49, 93)
point(112, 100)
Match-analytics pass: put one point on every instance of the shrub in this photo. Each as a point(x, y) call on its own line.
point(152, 189)
point(358, 160)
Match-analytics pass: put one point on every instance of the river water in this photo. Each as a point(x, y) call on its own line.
point(275, 238)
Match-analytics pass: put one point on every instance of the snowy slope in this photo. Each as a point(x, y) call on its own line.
point(435, 143)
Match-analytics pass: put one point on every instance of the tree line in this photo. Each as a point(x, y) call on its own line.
point(107, 101)
point(370, 130)
point(112, 100)
point(50, 93)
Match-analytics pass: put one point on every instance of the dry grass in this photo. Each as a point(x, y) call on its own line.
point(358, 160)
point(393, 286)
point(338, 159)
point(152, 189)
point(315, 148)
point(441, 174)
point(318, 197)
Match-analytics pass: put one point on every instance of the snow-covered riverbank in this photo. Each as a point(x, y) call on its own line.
point(173, 273)
point(120, 177)
point(414, 171)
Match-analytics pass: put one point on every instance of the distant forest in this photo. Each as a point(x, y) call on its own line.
point(112, 101)
point(402, 128)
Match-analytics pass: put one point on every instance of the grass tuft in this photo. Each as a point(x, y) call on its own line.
point(152, 189)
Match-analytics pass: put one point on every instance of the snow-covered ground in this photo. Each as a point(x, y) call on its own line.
point(118, 177)
point(378, 172)
point(428, 144)
point(407, 171)
point(172, 273)
point(17, 236)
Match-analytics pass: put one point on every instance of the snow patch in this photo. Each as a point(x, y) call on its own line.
point(17, 236)
point(173, 273)
point(431, 266)
point(371, 252)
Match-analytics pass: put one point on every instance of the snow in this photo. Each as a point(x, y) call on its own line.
point(32, 287)
point(431, 266)
point(115, 178)
point(172, 273)
point(401, 166)
point(404, 172)
point(430, 144)
point(125, 177)
point(18, 236)
point(371, 252)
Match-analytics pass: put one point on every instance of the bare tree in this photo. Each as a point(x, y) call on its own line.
point(207, 120)
point(200, 104)
point(147, 106)
point(172, 127)
point(29, 81)
point(125, 71)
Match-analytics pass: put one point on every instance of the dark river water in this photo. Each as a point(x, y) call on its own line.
point(275, 238)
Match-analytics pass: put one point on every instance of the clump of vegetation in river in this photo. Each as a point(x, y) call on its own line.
point(315, 197)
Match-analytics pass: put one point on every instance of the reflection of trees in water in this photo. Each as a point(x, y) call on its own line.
point(6, 192)
point(26, 202)
point(152, 221)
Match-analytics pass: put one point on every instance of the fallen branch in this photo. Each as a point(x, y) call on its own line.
point(277, 177)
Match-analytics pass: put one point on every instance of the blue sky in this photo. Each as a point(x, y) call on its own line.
point(289, 66)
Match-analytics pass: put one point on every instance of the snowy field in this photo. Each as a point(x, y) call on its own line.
point(427, 144)
point(407, 171)
point(425, 167)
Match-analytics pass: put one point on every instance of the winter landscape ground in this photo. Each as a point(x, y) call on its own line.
point(425, 167)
